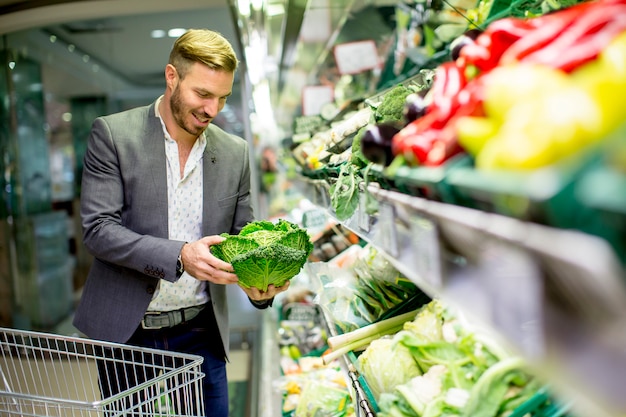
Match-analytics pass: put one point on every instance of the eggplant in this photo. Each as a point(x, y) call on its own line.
point(414, 107)
point(376, 143)
point(465, 39)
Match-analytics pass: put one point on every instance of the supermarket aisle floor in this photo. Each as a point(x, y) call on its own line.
point(238, 371)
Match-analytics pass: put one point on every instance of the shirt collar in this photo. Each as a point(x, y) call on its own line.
point(202, 137)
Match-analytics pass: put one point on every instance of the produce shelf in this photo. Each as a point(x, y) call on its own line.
point(362, 405)
point(554, 295)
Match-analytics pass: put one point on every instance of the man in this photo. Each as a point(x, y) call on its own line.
point(160, 183)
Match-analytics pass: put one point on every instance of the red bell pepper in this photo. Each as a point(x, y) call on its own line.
point(583, 39)
point(546, 29)
point(449, 81)
point(407, 141)
point(489, 46)
point(445, 146)
point(431, 140)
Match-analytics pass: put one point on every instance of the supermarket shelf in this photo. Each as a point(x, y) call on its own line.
point(556, 296)
point(362, 407)
point(266, 400)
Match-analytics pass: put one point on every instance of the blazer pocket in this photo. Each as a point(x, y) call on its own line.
point(107, 265)
point(228, 201)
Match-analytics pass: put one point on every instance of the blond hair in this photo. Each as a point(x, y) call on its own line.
point(203, 46)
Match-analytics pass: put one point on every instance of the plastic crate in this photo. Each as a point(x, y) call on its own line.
point(541, 404)
point(545, 196)
point(498, 10)
point(430, 182)
point(324, 173)
point(43, 241)
point(376, 173)
point(603, 197)
point(48, 295)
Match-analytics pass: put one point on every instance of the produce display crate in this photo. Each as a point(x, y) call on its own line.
point(602, 194)
point(430, 182)
point(541, 404)
point(498, 10)
point(545, 196)
point(376, 173)
point(326, 172)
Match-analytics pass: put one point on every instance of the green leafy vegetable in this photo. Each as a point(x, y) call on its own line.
point(324, 399)
point(374, 365)
point(265, 253)
point(357, 157)
point(344, 194)
point(462, 374)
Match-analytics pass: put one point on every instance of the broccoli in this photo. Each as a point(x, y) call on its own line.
point(391, 109)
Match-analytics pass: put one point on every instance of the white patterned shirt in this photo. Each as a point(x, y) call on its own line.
point(184, 209)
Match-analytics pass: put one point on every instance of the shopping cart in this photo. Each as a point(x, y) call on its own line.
point(45, 375)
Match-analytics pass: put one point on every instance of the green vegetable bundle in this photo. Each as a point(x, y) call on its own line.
point(462, 374)
point(265, 253)
point(366, 291)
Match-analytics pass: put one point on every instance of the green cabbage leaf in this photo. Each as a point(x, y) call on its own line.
point(265, 253)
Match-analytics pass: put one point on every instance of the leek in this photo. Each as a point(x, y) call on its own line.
point(359, 338)
point(356, 344)
point(379, 328)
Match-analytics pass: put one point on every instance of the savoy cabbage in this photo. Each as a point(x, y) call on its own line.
point(265, 253)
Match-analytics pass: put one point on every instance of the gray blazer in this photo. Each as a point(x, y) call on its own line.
point(124, 218)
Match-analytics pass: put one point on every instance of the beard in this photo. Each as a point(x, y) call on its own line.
point(179, 111)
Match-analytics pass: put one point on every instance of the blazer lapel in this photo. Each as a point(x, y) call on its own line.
point(210, 165)
point(154, 144)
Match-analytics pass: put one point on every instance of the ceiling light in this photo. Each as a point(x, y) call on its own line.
point(244, 7)
point(176, 32)
point(157, 33)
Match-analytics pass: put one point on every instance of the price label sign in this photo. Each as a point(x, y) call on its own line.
point(513, 281)
point(315, 97)
point(387, 237)
point(314, 219)
point(427, 253)
point(356, 57)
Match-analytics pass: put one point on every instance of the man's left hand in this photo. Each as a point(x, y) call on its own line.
point(258, 295)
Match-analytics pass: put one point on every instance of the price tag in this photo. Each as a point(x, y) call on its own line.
point(514, 285)
point(387, 237)
point(356, 57)
point(301, 312)
point(315, 97)
point(427, 252)
point(314, 219)
point(363, 218)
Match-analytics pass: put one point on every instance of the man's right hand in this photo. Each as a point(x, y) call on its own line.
point(200, 263)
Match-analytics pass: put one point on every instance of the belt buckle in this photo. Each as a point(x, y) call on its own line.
point(147, 327)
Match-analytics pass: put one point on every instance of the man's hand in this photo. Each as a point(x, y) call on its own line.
point(258, 295)
point(200, 263)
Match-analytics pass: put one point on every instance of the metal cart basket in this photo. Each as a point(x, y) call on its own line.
point(45, 375)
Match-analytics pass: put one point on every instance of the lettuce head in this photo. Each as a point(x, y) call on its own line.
point(265, 253)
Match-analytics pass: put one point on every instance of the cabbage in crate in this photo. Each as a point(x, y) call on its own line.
point(265, 253)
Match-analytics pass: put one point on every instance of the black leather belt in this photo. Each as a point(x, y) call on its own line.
point(160, 319)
